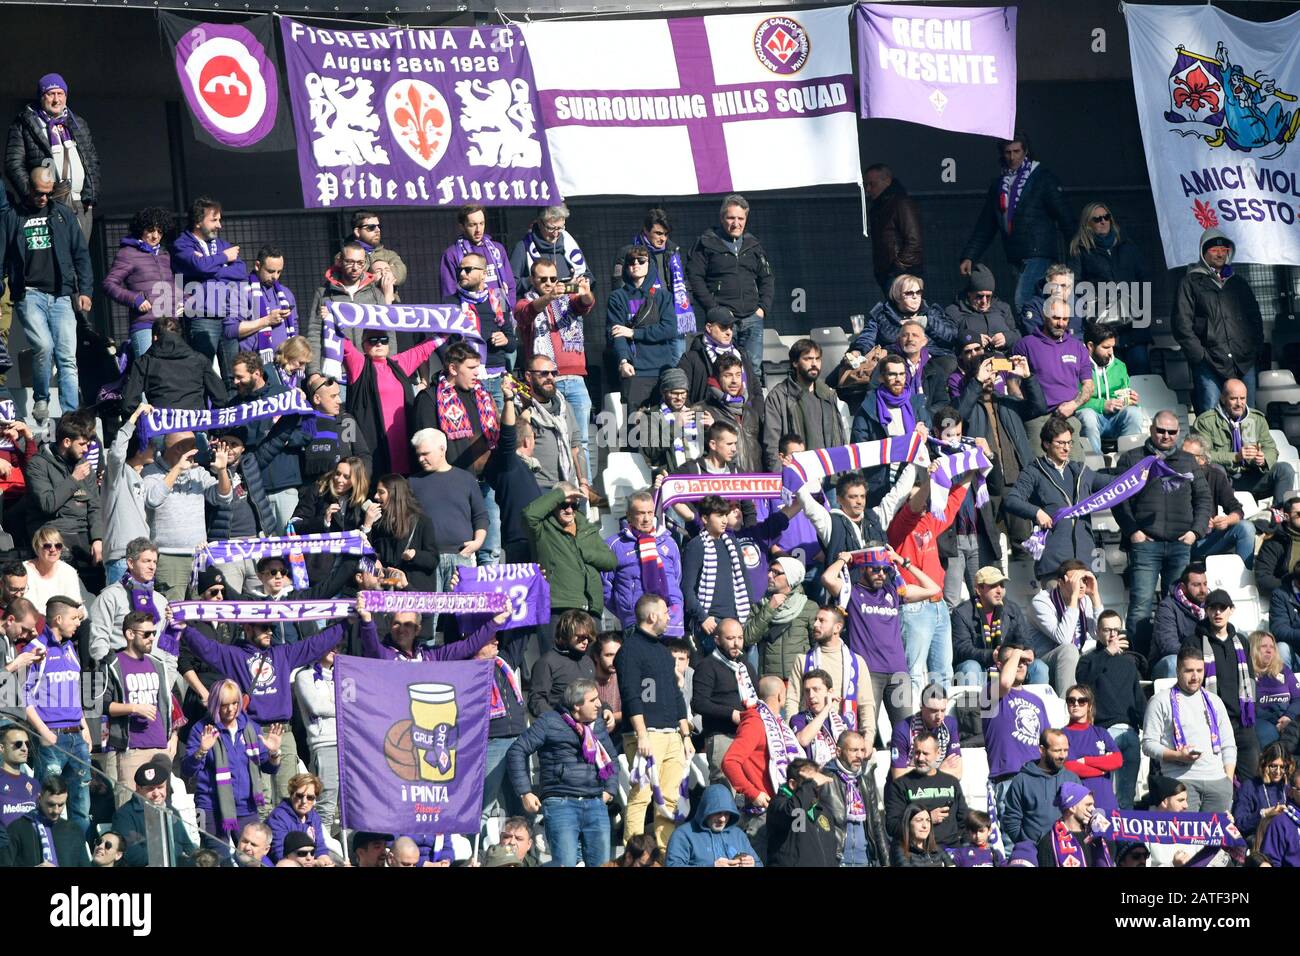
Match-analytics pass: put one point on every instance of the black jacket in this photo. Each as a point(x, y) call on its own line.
point(997, 319)
point(717, 276)
point(25, 846)
point(1217, 321)
point(1012, 414)
point(895, 224)
point(554, 671)
point(29, 146)
point(915, 789)
point(1116, 684)
point(1041, 213)
point(71, 254)
point(1273, 562)
point(1120, 263)
point(515, 486)
point(71, 506)
point(173, 375)
point(695, 363)
point(1039, 486)
point(1225, 667)
point(968, 632)
point(715, 693)
point(748, 424)
point(1165, 515)
point(800, 831)
point(420, 570)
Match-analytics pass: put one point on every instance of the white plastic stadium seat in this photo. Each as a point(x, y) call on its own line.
point(1227, 571)
point(1126, 442)
point(1275, 378)
point(626, 472)
point(1248, 504)
point(974, 777)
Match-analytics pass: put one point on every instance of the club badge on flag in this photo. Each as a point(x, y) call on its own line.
point(229, 75)
point(412, 744)
point(723, 103)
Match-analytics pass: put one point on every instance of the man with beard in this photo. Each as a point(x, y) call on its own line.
point(724, 687)
point(1031, 797)
point(890, 410)
point(43, 837)
point(802, 405)
point(556, 430)
point(474, 240)
point(924, 376)
point(979, 313)
point(726, 403)
point(927, 786)
point(985, 622)
point(201, 257)
point(495, 318)
point(846, 693)
point(875, 625)
point(855, 803)
point(670, 433)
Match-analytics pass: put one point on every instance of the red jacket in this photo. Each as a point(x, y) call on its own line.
point(745, 763)
point(568, 363)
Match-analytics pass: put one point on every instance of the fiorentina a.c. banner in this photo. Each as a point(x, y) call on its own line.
point(406, 117)
point(1218, 98)
point(412, 744)
point(718, 103)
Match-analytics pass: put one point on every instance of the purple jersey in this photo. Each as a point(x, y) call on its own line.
point(1277, 691)
point(905, 731)
point(1094, 741)
point(17, 796)
point(798, 540)
point(53, 686)
point(1011, 734)
point(966, 855)
point(875, 630)
point(140, 679)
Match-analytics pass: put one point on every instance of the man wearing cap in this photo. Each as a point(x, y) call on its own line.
point(728, 268)
point(718, 338)
point(500, 855)
point(369, 849)
point(1217, 323)
point(140, 706)
point(46, 131)
point(983, 623)
point(1230, 673)
point(1237, 438)
point(1028, 806)
point(648, 559)
point(979, 313)
point(670, 433)
point(151, 789)
point(1069, 841)
point(1188, 732)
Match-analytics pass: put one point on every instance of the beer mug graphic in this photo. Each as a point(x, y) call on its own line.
point(433, 730)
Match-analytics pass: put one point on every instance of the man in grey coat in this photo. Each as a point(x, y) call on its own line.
point(802, 405)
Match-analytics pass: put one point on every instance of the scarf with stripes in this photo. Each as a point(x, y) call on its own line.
point(1245, 683)
point(709, 575)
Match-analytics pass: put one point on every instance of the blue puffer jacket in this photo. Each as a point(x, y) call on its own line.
point(561, 770)
point(650, 350)
point(884, 323)
point(696, 845)
point(623, 585)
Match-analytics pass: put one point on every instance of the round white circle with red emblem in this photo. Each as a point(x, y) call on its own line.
point(228, 83)
point(782, 45)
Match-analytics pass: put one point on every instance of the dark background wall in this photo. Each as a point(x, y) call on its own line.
point(1076, 106)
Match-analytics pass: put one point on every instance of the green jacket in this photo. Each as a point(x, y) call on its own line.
point(1216, 431)
point(1105, 383)
point(572, 563)
point(780, 650)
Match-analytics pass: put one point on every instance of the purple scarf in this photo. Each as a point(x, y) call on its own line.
point(466, 248)
point(677, 278)
point(1195, 610)
point(1180, 738)
point(1234, 425)
point(914, 379)
point(1081, 631)
point(1013, 184)
point(593, 751)
point(58, 129)
point(886, 401)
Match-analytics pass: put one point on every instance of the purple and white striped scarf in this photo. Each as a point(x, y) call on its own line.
point(166, 421)
point(970, 458)
point(432, 602)
point(261, 612)
point(265, 299)
point(677, 279)
point(440, 322)
point(817, 464)
point(1245, 682)
point(645, 773)
point(782, 747)
point(593, 751)
point(254, 549)
point(1121, 489)
point(1180, 737)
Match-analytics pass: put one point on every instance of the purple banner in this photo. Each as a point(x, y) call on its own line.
point(166, 421)
point(523, 584)
point(430, 602)
point(412, 744)
point(952, 68)
point(416, 117)
point(1155, 826)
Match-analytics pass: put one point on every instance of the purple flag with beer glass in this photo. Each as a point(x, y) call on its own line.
point(412, 744)
point(952, 68)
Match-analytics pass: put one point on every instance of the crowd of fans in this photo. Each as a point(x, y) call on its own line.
point(774, 633)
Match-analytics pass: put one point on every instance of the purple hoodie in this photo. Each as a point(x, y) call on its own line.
point(139, 275)
point(623, 585)
point(1061, 366)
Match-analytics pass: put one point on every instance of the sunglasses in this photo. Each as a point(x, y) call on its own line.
point(368, 226)
point(19, 744)
point(304, 852)
point(144, 633)
point(215, 590)
point(637, 262)
point(376, 340)
point(547, 280)
point(914, 292)
point(543, 373)
point(309, 797)
point(277, 572)
point(466, 270)
point(570, 504)
point(1077, 700)
point(319, 384)
point(51, 547)
point(1166, 431)
point(1104, 217)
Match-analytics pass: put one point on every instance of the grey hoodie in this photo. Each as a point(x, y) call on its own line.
point(125, 517)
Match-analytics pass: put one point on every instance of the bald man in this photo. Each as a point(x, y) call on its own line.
point(1237, 439)
point(406, 852)
point(750, 764)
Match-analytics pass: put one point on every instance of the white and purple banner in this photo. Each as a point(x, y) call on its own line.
point(235, 550)
point(1218, 100)
point(260, 612)
point(167, 421)
point(430, 602)
point(439, 321)
point(677, 488)
point(715, 104)
point(524, 586)
point(953, 68)
point(415, 117)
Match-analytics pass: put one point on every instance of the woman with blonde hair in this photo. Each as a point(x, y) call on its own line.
point(292, 356)
point(906, 303)
point(48, 574)
point(1277, 693)
point(1098, 254)
point(338, 501)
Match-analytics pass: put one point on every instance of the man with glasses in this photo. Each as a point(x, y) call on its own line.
point(474, 238)
point(17, 788)
point(549, 319)
point(1159, 526)
point(108, 850)
point(140, 701)
point(13, 582)
point(889, 410)
point(560, 448)
point(152, 783)
point(980, 313)
point(42, 837)
point(495, 317)
point(48, 263)
point(569, 549)
point(1063, 365)
point(297, 815)
point(368, 232)
point(347, 280)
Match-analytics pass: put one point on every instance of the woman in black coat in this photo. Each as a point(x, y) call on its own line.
point(337, 502)
point(1099, 254)
point(403, 537)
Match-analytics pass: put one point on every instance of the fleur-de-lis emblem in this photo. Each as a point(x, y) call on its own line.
point(781, 45)
point(1196, 91)
point(420, 121)
point(1205, 214)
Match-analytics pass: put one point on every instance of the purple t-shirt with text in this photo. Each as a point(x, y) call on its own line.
point(1011, 734)
point(141, 687)
point(875, 630)
point(1061, 367)
point(17, 796)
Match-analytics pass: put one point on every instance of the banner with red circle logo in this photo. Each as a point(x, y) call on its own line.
point(230, 78)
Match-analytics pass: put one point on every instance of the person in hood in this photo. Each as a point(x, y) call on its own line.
point(894, 222)
point(141, 275)
point(977, 311)
point(636, 573)
point(917, 847)
point(172, 374)
point(906, 301)
point(1217, 323)
point(1026, 206)
point(642, 326)
point(1031, 797)
point(714, 836)
point(46, 131)
point(802, 830)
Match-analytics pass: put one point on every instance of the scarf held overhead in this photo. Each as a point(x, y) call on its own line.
point(677, 488)
point(254, 549)
point(166, 421)
point(440, 322)
point(263, 612)
point(817, 464)
point(970, 458)
point(432, 602)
